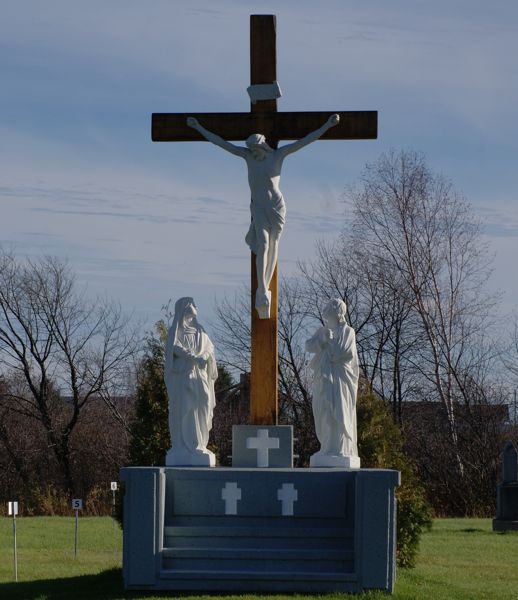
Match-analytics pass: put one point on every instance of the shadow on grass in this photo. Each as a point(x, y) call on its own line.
point(490, 532)
point(105, 586)
point(108, 585)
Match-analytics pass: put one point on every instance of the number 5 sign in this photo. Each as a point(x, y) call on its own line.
point(77, 505)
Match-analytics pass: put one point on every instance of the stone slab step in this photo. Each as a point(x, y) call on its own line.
point(256, 565)
point(272, 543)
point(265, 576)
point(258, 554)
point(257, 582)
point(256, 532)
point(255, 520)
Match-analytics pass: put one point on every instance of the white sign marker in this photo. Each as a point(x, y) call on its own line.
point(77, 505)
point(114, 487)
point(263, 444)
point(13, 511)
point(231, 494)
point(288, 495)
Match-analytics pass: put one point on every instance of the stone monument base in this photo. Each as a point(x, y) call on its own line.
point(182, 458)
point(330, 460)
point(503, 525)
point(259, 530)
point(507, 492)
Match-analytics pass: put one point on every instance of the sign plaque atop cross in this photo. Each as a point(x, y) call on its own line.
point(275, 126)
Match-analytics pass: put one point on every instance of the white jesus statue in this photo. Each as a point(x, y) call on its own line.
point(267, 206)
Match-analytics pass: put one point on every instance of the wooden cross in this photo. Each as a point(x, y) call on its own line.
point(264, 118)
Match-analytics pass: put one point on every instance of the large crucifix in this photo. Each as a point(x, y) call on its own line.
point(275, 126)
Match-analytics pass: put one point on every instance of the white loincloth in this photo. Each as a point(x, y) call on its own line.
point(267, 217)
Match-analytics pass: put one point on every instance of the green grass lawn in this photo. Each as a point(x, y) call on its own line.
point(460, 559)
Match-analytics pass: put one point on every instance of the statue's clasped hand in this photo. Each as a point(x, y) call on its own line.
point(326, 335)
point(201, 362)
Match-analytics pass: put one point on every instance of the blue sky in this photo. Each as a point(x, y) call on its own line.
point(143, 222)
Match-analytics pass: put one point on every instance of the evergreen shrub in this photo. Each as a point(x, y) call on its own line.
point(380, 446)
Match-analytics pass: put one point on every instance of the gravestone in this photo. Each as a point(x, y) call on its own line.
point(507, 492)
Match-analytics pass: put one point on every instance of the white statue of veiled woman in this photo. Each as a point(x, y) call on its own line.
point(335, 384)
point(189, 373)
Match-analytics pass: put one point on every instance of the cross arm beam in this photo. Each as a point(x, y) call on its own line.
point(354, 125)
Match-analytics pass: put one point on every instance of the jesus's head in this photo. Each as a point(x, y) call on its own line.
point(256, 143)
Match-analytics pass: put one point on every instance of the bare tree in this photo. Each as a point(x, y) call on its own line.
point(58, 351)
point(232, 331)
point(414, 222)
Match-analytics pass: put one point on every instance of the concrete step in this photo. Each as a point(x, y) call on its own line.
point(272, 538)
point(257, 557)
point(253, 581)
point(197, 520)
point(258, 553)
point(246, 575)
point(259, 531)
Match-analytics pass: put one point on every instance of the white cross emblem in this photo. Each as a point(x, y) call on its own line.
point(288, 495)
point(263, 444)
point(231, 494)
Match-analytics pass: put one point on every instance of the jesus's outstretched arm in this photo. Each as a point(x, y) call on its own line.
point(216, 139)
point(311, 137)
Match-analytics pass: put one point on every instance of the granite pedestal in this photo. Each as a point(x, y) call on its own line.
point(255, 529)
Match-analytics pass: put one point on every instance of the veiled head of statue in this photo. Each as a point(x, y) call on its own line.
point(185, 309)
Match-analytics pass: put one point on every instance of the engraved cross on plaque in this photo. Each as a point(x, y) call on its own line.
point(263, 444)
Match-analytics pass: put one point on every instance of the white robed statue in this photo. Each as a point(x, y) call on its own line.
point(189, 373)
point(267, 208)
point(335, 385)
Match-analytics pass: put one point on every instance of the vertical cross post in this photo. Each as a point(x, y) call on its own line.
point(264, 359)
